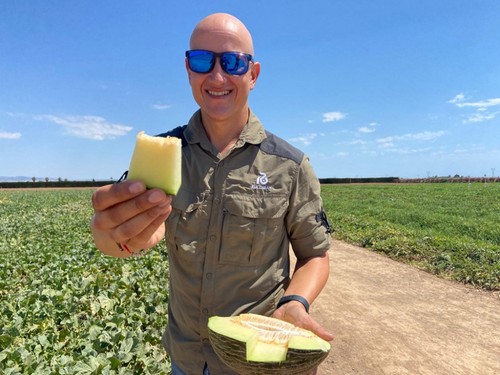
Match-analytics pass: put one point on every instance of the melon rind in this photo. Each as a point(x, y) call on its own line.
point(229, 341)
point(157, 161)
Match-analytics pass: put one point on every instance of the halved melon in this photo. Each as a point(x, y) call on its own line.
point(255, 344)
point(157, 161)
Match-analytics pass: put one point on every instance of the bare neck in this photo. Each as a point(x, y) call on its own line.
point(224, 134)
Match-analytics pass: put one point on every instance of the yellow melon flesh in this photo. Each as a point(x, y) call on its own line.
point(157, 161)
point(254, 344)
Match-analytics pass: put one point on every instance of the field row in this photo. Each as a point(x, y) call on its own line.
point(452, 230)
point(66, 309)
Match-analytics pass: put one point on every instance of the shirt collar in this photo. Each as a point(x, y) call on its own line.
point(253, 132)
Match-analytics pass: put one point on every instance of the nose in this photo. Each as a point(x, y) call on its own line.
point(217, 73)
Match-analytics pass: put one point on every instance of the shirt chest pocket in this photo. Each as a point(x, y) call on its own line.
point(186, 224)
point(252, 229)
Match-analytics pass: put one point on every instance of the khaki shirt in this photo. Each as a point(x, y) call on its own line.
point(229, 233)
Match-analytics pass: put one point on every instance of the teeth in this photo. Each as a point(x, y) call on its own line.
point(219, 93)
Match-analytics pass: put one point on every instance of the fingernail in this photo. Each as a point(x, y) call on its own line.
point(155, 197)
point(135, 188)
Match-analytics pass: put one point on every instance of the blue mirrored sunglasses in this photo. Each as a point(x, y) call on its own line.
point(234, 63)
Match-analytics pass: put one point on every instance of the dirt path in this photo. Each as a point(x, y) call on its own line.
point(390, 318)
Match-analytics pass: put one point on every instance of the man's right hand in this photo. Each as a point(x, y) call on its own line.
point(127, 213)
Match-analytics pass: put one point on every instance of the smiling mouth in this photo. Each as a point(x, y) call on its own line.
point(219, 93)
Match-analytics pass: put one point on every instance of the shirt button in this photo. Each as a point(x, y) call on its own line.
point(217, 200)
point(213, 237)
point(205, 311)
point(209, 276)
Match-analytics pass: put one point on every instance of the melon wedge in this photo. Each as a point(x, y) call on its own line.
point(255, 344)
point(157, 162)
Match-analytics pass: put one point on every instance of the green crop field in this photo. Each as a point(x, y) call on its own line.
point(66, 309)
point(452, 230)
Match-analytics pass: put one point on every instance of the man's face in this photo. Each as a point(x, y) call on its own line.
point(222, 97)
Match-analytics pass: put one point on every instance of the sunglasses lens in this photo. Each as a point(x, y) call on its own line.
point(235, 63)
point(201, 61)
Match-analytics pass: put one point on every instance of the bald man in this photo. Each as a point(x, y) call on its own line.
point(246, 196)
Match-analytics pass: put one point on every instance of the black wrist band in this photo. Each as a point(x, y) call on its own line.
point(293, 297)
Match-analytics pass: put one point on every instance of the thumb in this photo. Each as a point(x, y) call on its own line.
point(320, 331)
point(323, 333)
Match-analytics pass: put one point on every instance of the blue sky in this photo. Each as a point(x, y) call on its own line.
point(365, 88)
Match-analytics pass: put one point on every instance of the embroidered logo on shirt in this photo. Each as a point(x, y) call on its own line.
point(262, 182)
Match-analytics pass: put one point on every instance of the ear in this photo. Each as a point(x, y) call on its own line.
point(254, 74)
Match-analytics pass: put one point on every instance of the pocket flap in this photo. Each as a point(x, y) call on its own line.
point(268, 207)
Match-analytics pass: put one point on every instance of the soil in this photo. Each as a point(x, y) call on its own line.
point(391, 318)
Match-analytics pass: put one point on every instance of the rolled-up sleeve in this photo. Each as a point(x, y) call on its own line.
point(307, 225)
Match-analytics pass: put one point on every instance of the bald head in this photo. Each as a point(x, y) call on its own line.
point(221, 32)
